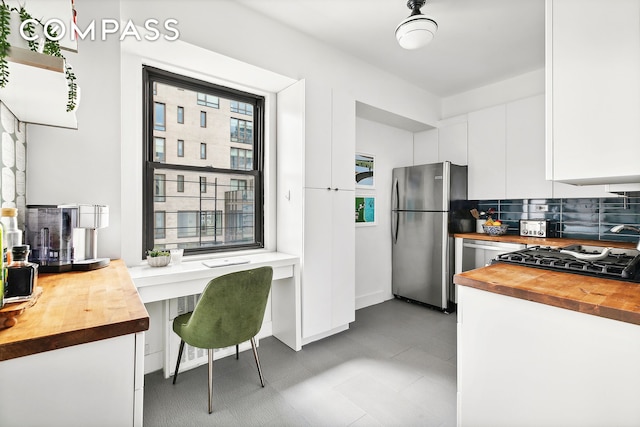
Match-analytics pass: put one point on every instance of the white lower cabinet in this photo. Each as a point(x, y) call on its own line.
point(328, 270)
point(522, 363)
point(94, 384)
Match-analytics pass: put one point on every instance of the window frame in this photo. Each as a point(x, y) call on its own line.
point(151, 76)
point(180, 114)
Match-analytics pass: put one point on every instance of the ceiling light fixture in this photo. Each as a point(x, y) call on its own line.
point(417, 30)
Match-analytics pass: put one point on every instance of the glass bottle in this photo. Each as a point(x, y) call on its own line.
point(12, 235)
point(22, 275)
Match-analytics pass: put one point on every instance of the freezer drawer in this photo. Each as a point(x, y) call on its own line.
point(421, 261)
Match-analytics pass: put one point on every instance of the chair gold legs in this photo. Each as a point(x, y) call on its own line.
point(210, 368)
point(210, 354)
point(175, 374)
point(255, 355)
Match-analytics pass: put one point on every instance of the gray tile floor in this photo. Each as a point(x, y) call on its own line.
point(396, 365)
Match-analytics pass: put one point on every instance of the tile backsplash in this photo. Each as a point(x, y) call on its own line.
point(576, 218)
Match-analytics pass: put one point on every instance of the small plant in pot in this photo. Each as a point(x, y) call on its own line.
point(158, 257)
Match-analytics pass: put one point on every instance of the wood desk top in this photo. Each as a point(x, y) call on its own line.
point(613, 299)
point(77, 308)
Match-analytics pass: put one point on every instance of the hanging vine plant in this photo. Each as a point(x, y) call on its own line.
point(51, 47)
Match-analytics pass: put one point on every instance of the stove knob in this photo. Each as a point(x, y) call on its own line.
point(540, 233)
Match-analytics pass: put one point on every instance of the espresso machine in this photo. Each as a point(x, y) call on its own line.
point(65, 237)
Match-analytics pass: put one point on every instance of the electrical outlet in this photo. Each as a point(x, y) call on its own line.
point(146, 349)
point(541, 208)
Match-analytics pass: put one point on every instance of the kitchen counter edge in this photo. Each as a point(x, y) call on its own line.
point(77, 308)
point(545, 241)
point(612, 299)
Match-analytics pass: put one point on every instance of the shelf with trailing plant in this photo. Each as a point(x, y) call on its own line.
point(37, 84)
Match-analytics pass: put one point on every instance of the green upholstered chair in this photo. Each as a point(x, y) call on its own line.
point(229, 312)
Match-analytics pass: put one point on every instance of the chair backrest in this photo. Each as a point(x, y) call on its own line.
point(231, 309)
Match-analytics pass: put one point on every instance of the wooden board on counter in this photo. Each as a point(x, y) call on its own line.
point(613, 299)
point(545, 241)
point(77, 308)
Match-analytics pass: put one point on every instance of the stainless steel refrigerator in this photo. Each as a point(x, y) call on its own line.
point(422, 250)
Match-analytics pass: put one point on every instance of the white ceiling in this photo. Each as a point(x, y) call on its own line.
point(479, 42)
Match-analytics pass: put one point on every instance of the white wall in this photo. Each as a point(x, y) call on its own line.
point(392, 147)
point(83, 166)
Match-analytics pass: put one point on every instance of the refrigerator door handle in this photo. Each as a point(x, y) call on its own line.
point(395, 195)
point(395, 216)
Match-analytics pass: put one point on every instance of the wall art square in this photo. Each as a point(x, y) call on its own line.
point(364, 170)
point(365, 210)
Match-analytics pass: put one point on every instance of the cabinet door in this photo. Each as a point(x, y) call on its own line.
point(486, 151)
point(317, 262)
point(525, 150)
point(593, 91)
point(317, 143)
point(343, 141)
point(452, 143)
point(328, 270)
point(290, 169)
point(425, 147)
point(343, 277)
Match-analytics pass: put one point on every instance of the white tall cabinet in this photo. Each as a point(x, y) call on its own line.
point(593, 91)
point(316, 196)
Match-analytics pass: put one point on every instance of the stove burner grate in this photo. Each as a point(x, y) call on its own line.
point(616, 265)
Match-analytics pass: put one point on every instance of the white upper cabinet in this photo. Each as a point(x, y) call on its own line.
point(525, 178)
point(330, 138)
point(452, 140)
point(593, 91)
point(487, 154)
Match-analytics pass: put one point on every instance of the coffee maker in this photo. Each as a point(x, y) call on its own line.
point(65, 237)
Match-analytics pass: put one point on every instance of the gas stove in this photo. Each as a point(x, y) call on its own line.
point(608, 263)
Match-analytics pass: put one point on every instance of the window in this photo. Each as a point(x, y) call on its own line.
point(242, 108)
point(203, 119)
point(160, 193)
point(159, 227)
point(211, 223)
point(208, 100)
point(180, 115)
point(238, 184)
point(187, 224)
point(241, 131)
point(158, 123)
point(158, 150)
point(180, 148)
point(214, 205)
point(241, 159)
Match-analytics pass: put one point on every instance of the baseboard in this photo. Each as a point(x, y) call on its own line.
point(373, 298)
point(333, 331)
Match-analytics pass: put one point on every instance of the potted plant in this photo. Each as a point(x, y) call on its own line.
point(158, 257)
point(51, 47)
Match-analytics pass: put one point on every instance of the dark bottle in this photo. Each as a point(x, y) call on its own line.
point(22, 275)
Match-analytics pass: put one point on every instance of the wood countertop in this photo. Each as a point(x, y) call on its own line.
point(77, 308)
point(545, 241)
point(613, 299)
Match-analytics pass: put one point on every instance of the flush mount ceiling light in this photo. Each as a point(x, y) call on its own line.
point(417, 30)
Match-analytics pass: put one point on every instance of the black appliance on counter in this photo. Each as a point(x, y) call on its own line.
point(608, 263)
